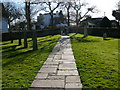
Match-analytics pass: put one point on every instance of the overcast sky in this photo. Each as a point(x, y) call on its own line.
point(104, 6)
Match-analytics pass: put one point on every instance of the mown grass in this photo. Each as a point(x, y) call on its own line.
point(97, 61)
point(20, 65)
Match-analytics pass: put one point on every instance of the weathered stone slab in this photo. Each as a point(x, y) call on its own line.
point(73, 86)
point(67, 72)
point(58, 57)
point(48, 70)
point(41, 76)
point(51, 56)
point(48, 83)
point(69, 62)
point(73, 79)
point(67, 56)
point(50, 66)
point(52, 63)
point(67, 66)
point(65, 61)
point(59, 53)
point(68, 50)
point(56, 77)
point(49, 59)
point(68, 53)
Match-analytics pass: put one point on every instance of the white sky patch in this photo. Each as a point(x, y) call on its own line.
point(104, 6)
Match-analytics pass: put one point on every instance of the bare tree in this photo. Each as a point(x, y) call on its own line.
point(77, 7)
point(12, 12)
point(116, 13)
point(29, 15)
point(52, 8)
point(67, 6)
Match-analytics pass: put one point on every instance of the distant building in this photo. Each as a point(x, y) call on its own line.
point(3, 20)
point(44, 20)
point(114, 23)
point(95, 22)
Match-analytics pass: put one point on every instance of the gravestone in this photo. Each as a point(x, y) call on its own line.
point(85, 31)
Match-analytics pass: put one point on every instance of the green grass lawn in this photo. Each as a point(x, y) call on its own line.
point(97, 61)
point(20, 65)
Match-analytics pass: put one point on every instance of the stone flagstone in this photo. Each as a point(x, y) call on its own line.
point(59, 72)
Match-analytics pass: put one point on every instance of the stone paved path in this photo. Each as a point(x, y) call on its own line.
point(59, 72)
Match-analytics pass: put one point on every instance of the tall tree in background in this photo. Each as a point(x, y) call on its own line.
point(30, 12)
point(13, 12)
point(77, 7)
point(28, 23)
point(116, 13)
point(28, 18)
point(68, 5)
point(52, 8)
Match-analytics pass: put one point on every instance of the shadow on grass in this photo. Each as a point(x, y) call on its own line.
point(107, 39)
point(40, 39)
point(5, 43)
point(85, 40)
point(22, 54)
point(13, 47)
point(53, 40)
point(19, 54)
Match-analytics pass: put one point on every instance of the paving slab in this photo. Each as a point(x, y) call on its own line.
point(50, 66)
point(67, 56)
point(73, 85)
point(56, 77)
point(49, 59)
point(41, 76)
point(48, 83)
point(68, 53)
point(67, 72)
point(48, 70)
point(51, 56)
point(58, 57)
point(67, 66)
point(72, 79)
point(51, 63)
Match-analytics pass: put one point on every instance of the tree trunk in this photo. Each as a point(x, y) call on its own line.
point(35, 46)
point(77, 22)
point(51, 18)
point(20, 42)
point(25, 40)
point(68, 15)
point(34, 36)
point(10, 31)
point(25, 34)
point(11, 41)
point(28, 17)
